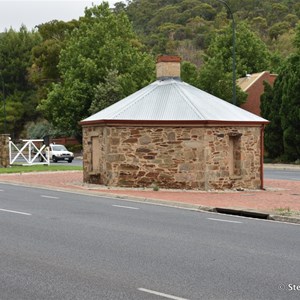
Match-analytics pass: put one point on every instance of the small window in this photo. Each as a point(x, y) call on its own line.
point(95, 154)
point(234, 155)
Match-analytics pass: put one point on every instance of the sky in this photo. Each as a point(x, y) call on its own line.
point(31, 13)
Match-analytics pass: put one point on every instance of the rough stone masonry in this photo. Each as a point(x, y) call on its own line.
point(4, 150)
point(198, 157)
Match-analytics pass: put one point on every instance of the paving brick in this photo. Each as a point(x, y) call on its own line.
point(278, 193)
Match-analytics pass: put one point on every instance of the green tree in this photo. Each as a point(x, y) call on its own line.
point(214, 79)
point(104, 42)
point(107, 92)
point(20, 96)
point(37, 130)
point(288, 88)
point(260, 24)
point(44, 68)
point(251, 56)
point(278, 29)
point(189, 73)
point(278, 11)
point(283, 109)
point(270, 106)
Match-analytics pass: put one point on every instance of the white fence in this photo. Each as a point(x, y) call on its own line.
point(30, 152)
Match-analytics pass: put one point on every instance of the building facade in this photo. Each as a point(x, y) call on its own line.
point(173, 135)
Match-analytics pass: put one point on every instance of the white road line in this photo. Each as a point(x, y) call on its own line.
point(50, 197)
point(128, 207)
point(161, 294)
point(1, 190)
point(15, 212)
point(221, 220)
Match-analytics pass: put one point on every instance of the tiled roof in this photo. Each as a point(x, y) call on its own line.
point(172, 100)
point(245, 82)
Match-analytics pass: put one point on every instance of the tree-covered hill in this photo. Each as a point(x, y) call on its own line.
point(187, 27)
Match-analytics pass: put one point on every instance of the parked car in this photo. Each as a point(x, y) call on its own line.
point(58, 152)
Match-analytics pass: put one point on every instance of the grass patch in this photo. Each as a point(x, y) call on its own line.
point(155, 187)
point(38, 168)
point(286, 211)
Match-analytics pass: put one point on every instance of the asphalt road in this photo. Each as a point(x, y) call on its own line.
point(57, 245)
point(282, 174)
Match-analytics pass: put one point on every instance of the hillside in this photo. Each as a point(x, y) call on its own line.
point(187, 27)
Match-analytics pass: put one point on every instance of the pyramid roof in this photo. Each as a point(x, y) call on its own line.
point(173, 100)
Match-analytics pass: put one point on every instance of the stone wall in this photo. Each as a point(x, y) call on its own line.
point(203, 157)
point(4, 150)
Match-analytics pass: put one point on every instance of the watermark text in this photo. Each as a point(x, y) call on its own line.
point(289, 287)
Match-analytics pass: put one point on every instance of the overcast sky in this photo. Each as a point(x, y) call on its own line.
point(31, 13)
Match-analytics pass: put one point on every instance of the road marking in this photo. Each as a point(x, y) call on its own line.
point(15, 212)
point(221, 220)
point(1, 190)
point(161, 294)
point(128, 207)
point(50, 197)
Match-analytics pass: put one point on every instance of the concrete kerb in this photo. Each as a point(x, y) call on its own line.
point(282, 166)
point(284, 219)
point(192, 207)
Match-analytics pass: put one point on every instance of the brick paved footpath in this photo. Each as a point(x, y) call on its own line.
point(278, 193)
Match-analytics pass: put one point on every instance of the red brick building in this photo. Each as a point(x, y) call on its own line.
point(254, 87)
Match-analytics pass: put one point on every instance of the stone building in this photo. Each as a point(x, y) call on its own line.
point(173, 135)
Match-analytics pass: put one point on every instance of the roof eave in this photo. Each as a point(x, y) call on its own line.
point(174, 122)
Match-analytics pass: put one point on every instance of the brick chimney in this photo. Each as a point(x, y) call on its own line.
point(168, 66)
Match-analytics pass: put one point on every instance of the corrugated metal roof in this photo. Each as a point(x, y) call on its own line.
point(171, 100)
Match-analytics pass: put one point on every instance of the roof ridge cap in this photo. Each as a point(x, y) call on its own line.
point(137, 99)
point(189, 102)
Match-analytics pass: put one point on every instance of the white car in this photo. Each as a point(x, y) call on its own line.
point(58, 152)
